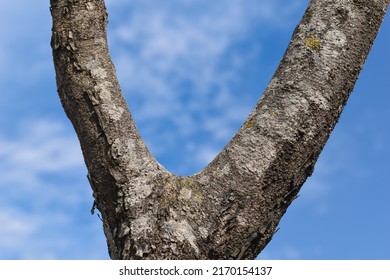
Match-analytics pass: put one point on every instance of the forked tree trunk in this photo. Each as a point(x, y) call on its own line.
point(231, 209)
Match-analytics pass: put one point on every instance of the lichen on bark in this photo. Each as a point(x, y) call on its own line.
point(232, 208)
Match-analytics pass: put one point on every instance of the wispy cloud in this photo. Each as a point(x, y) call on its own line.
point(284, 253)
point(185, 47)
point(181, 63)
point(49, 234)
point(42, 196)
point(39, 147)
point(14, 228)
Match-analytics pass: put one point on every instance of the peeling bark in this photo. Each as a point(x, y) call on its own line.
point(231, 209)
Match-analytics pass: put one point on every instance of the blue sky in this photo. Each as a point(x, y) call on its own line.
point(191, 71)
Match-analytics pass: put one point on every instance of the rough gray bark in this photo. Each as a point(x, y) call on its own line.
point(231, 209)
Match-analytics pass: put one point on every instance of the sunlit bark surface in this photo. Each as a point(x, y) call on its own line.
point(231, 209)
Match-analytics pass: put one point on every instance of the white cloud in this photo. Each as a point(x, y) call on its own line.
point(286, 252)
point(282, 253)
point(180, 63)
point(49, 234)
point(44, 195)
point(14, 228)
point(205, 155)
point(185, 42)
point(40, 147)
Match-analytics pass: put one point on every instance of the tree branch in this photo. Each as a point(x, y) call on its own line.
point(231, 209)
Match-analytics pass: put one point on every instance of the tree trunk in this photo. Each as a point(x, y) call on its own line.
point(231, 209)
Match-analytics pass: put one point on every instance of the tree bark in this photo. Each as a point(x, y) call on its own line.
point(231, 209)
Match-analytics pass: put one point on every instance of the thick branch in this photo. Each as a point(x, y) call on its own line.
point(231, 209)
point(113, 150)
